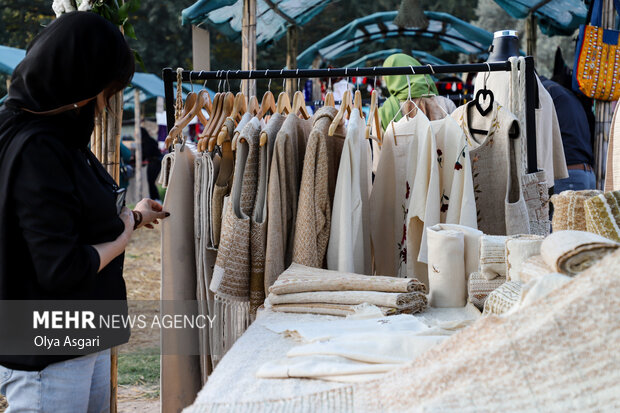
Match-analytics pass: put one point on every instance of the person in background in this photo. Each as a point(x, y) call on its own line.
point(127, 170)
point(576, 139)
point(152, 156)
point(421, 87)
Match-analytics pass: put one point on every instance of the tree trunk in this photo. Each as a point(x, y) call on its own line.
point(138, 144)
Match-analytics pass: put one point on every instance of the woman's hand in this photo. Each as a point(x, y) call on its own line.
point(151, 212)
point(127, 217)
point(109, 250)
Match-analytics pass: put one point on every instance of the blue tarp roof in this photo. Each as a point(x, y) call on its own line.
point(556, 17)
point(151, 87)
point(9, 58)
point(453, 34)
point(226, 16)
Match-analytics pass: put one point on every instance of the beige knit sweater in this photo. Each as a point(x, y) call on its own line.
point(318, 184)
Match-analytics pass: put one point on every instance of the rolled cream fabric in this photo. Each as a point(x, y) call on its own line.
point(603, 215)
point(446, 268)
point(569, 209)
point(533, 268)
point(571, 252)
point(502, 299)
point(472, 244)
point(479, 288)
point(300, 278)
point(395, 300)
point(518, 249)
point(493, 256)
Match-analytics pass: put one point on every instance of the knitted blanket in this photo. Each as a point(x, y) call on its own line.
point(479, 288)
point(603, 215)
point(571, 252)
point(300, 278)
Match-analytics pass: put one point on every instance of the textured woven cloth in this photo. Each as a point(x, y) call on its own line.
point(571, 252)
point(536, 194)
point(612, 174)
point(518, 249)
point(495, 161)
point(395, 300)
point(569, 209)
point(603, 215)
point(166, 166)
point(493, 256)
point(503, 298)
point(318, 183)
point(231, 275)
point(300, 278)
point(479, 288)
point(258, 223)
point(283, 194)
point(446, 268)
point(533, 268)
point(340, 310)
point(349, 241)
point(565, 339)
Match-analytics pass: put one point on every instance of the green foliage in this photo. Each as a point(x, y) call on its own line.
point(138, 368)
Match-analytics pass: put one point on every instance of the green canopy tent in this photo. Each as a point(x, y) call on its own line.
point(423, 57)
point(10, 58)
point(452, 33)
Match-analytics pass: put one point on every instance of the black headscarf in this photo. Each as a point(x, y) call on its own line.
point(73, 59)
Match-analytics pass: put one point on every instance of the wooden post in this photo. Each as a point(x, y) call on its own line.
point(291, 57)
point(248, 45)
point(138, 144)
point(531, 34)
point(316, 82)
point(114, 380)
point(201, 49)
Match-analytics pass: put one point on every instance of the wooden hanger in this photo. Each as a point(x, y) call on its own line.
point(345, 106)
point(268, 104)
point(253, 106)
point(284, 104)
point(357, 103)
point(193, 104)
point(206, 105)
point(373, 116)
point(299, 105)
point(329, 100)
point(203, 138)
point(227, 107)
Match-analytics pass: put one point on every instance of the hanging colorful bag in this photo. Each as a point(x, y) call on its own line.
point(597, 59)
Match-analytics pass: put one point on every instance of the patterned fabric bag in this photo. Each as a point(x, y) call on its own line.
point(597, 68)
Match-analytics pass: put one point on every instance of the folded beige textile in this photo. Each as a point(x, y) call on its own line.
point(166, 167)
point(554, 355)
point(571, 252)
point(446, 268)
point(518, 249)
point(318, 366)
point(493, 256)
point(533, 268)
point(395, 300)
point(612, 172)
point(340, 310)
point(603, 215)
point(536, 193)
point(300, 278)
point(503, 298)
point(479, 288)
point(569, 209)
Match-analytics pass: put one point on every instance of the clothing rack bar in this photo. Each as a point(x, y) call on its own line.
point(169, 77)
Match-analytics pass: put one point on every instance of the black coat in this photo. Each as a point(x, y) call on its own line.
point(56, 200)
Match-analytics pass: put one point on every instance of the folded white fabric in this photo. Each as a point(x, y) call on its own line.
point(446, 268)
point(472, 244)
point(518, 249)
point(319, 366)
point(341, 310)
point(539, 288)
point(571, 252)
point(493, 256)
point(503, 298)
point(313, 331)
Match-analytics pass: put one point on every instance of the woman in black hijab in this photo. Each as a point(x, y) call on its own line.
point(61, 235)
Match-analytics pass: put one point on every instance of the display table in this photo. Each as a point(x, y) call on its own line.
point(233, 386)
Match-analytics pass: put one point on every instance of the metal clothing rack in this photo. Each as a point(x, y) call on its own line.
point(169, 76)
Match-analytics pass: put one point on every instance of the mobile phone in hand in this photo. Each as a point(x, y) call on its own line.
point(120, 199)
